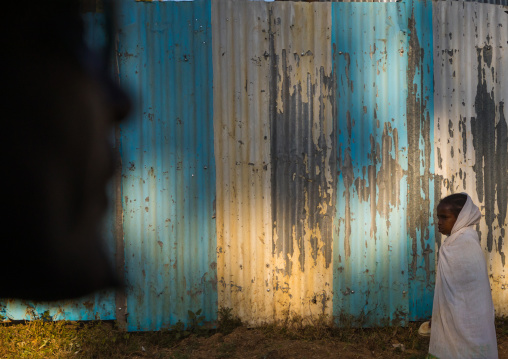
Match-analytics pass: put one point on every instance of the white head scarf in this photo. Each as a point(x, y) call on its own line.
point(468, 216)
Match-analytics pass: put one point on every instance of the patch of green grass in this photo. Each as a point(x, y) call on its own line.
point(38, 339)
point(61, 339)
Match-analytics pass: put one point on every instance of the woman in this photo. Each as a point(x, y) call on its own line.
point(463, 312)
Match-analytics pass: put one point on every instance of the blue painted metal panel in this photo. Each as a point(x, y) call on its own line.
point(370, 49)
point(420, 121)
point(168, 185)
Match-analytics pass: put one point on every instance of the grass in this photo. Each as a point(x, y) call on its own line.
point(40, 339)
point(44, 338)
point(48, 339)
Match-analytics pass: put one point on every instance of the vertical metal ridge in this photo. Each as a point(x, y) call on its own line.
point(242, 144)
point(471, 139)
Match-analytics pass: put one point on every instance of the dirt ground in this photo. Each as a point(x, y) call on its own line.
point(246, 343)
point(46, 339)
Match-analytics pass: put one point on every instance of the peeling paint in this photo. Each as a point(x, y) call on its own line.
point(372, 163)
point(420, 127)
point(325, 191)
point(475, 159)
point(168, 146)
point(302, 139)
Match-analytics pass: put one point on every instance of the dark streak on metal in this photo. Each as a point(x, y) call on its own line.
point(349, 127)
point(348, 76)
point(463, 129)
point(501, 161)
point(490, 142)
point(438, 182)
point(296, 184)
point(418, 126)
point(274, 73)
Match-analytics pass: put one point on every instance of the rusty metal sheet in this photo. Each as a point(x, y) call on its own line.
point(370, 60)
point(323, 158)
point(274, 128)
point(471, 136)
point(168, 167)
point(420, 137)
point(302, 157)
point(241, 66)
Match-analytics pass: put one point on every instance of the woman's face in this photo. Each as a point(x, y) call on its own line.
point(446, 219)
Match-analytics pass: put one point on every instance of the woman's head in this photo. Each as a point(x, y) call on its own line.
point(448, 210)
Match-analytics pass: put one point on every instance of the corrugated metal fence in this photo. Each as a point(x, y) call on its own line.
point(285, 159)
point(471, 136)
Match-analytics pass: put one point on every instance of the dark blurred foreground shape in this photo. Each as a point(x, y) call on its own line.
point(59, 109)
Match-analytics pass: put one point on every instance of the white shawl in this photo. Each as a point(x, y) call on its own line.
point(463, 313)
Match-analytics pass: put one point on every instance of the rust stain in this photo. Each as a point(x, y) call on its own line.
point(386, 180)
point(89, 305)
point(418, 129)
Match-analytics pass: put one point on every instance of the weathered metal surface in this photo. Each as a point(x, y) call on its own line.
point(420, 137)
point(471, 136)
point(241, 66)
point(370, 54)
point(302, 158)
point(168, 167)
point(324, 140)
point(274, 131)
